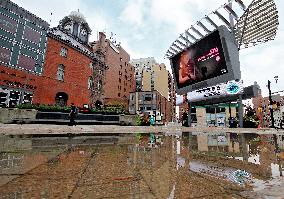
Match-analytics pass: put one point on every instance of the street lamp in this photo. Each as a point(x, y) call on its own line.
point(270, 101)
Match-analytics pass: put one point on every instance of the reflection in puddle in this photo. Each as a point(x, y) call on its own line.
point(153, 165)
point(233, 175)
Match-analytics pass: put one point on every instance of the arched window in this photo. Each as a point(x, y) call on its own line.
point(90, 82)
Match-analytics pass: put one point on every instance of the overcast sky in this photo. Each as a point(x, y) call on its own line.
point(146, 28)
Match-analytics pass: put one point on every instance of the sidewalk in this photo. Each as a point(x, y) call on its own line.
point(48, 129)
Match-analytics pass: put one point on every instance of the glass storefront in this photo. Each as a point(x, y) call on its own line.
point(13, 97)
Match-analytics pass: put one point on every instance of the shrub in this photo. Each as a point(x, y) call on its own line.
point(110, 110)
point(142, 120)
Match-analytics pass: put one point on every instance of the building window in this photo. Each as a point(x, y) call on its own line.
point(90, 83)
point(91, 65)
point(63, 52)
point(147, 98)
point(120, 59)
point(132, 107)
point(60, 72)
point(118, 94)
point(119, 80)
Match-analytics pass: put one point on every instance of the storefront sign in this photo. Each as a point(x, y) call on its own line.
point(220, 90)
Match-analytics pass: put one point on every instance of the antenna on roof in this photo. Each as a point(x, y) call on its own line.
point(50, 17)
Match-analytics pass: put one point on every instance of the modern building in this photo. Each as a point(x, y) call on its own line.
point(43, 65)
point(23, 43)
point(119, 76)
point(151, 76)
point(151, 103)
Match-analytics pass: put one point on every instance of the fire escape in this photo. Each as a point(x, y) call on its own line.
point(99, 72)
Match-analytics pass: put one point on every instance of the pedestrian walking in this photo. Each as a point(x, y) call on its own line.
point(72, 114)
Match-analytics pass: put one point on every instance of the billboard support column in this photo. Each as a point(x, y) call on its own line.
point(240, 111)
point(189, 114)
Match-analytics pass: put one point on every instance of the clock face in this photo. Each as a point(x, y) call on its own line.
point(84, 32)
point(233, 88)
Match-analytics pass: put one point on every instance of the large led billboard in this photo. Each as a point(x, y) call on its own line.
point(211, 60)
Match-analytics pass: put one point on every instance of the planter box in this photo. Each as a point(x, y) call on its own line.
point(12, 115)
point(129, 120)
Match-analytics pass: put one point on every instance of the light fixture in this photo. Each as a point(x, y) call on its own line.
point(196, 31)
point(211, 21)
point(171, 48)
point(223, 19)
point(185, 39)
point(188, 33)
point(231, 11)
point(241, 4)
point(203, 26)
point(178, 41)
point(178, 47)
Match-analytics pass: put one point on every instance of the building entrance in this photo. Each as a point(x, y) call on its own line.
point(61, 99)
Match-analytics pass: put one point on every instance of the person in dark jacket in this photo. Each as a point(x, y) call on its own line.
point(72, 114)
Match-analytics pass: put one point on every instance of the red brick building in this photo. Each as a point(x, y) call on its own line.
point(119, 77)
point(40, 65)
point(69, 65)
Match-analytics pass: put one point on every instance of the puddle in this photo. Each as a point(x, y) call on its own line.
point(154, 165)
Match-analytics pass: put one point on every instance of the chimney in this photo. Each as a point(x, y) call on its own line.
point(102, 37)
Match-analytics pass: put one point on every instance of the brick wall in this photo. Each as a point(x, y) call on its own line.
point(77, 70)
point(119, 81)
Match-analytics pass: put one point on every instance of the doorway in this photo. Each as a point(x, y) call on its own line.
point(61, 99)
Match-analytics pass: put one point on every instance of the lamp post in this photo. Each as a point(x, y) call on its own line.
point(270, 105)
point(272, 119)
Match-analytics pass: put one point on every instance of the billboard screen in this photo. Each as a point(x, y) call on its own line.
point(211, 60)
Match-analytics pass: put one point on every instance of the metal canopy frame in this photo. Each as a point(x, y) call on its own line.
point(258, 23)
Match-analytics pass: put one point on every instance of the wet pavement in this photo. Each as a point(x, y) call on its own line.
point(148, 165)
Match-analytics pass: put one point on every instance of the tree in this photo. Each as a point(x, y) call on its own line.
point(250, 119)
